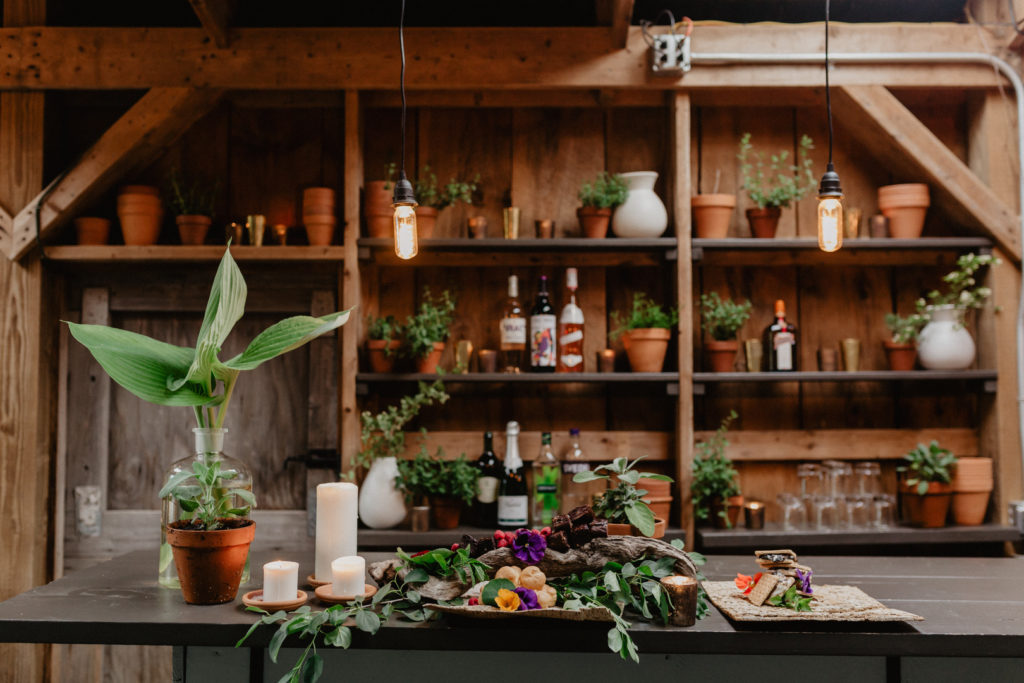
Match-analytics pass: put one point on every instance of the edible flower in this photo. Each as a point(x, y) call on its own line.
point(528, 546)
point(746, 583)
point(507, 600)
point(527, 599)
point(804, 579)
point(422, 552)
point(474, 601)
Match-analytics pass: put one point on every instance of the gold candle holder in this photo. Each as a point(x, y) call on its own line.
point(753, 349)
point(420, 518)
point(463, 355)
point(878, 226)
point(851, 223)
point(281, 234)
point(255, 225)
point(233, 233)
point(477, 226)
point(487, 360)
point(851, 354)
point(606, 360)
point(545, 229)
point(511, 219)
point(682, 593)
point(828, 360)
point(753, 514)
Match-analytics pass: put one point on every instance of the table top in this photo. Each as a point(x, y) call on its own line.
point(971, 606)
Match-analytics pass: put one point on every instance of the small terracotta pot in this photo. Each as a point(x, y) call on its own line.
point(445, 511)
point(905, 206)
point(139, 189)
point(732, 506)
point(380, 359)
point(646, 348)
point(712, 214)
point(973, 475)
point(721, 355)
point(969, 508)
point(140, 228)
point(901, 357)
point(764, 222)
point(661, 506)
point(91, 230)
point(594, 221)
point(630, 530)
point(320, 234)
point(193, 229)
point(426, 221)
point(655, 487)
point(380, 225)
point(427, 365)
point(210, 563)
point(930, 510)
point(378, 196)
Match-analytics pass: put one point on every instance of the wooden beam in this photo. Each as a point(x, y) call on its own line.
point(617, 14)
point(891, 132)
point(214, 16)
point(351, 286)
point(463, 58)
point(782, 445)
point(144, 131)
point(6, 227)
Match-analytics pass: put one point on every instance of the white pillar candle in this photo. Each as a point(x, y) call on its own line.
point(349, 576)
point(337, 514)
point(280, 581)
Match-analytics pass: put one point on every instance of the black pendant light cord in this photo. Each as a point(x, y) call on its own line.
point(401, 48)
point(828, 90)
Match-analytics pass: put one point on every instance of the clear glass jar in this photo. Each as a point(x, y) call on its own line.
point(209, 449)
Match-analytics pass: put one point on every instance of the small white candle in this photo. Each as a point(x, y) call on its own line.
point(337, 514)
point(349, 576)
point(280, 581)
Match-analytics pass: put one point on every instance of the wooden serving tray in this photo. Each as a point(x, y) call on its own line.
point(834, 603)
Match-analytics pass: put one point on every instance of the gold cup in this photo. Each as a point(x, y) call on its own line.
point(511, 219)
point(851, 223)
point(281, 234)
point(754, 352)
point(420, 518)
point(851, 354)
point(463, 355)
point(545, 229)
point(255, 225)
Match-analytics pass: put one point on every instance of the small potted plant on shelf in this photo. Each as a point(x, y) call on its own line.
point(715, 491)
point(193, 208)
point(712, 212)
point(384, 342)
point(140, 212)
point(623, 505)
point(722, 318)
point(927, 484)
point(447, 485)
point(599, 197)
point(774, 184)
point(899, 348)
point(645, 333)
point(377, 204)
point(427, 330)
point(433, 199)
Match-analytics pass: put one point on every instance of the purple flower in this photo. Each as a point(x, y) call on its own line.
point(528, 546)
point(804, 578)
point(527, 599)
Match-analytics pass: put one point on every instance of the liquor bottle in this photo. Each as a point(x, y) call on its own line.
point(543, 354)
point(546, 475)
point(513, 505)
point(780, 341)
point(575, 494)
point(570, 329)
point(513, 330)
point(487, 485)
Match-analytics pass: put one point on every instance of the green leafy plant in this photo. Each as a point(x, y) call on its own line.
point(203, 493)
point(714, 476)
point(428, 193)
point(196, 199)
point(791, 599)
point(443, 563)
point(645, 314)
point(606, 191)
point(927, 464)
point(427, 475)
point(430, 324)
point(723, 317)
point(905, 330)
point(624, 503)
point(963, 290)
point(385, 329)
point(776, 182)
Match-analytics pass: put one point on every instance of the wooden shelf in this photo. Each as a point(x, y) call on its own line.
point(745, 251)
point(986, 377)
point(389, 539)
point(669, 379)
point(75, 254)
point(774, 537)
point(612, 251)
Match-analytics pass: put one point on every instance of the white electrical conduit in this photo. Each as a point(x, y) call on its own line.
point(918, 58)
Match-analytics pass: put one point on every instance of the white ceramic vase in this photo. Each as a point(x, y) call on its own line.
point(381, 504)
point(642, 214)
point(944, 343)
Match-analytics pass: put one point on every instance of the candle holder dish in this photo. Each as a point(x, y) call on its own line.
point(326, 594)
point(314, 583)
point(255, 599)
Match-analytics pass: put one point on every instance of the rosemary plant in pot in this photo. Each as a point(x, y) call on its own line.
point(448, 485)
point(599, 197)
point(774, 184)
point(434, 198)
point(623, 505)
point(722, 318)
point(900, 349)
point(427, 330)
point(645, 331)
point(203, 497)
point(716, 495)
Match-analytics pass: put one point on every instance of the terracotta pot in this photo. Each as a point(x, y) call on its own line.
point(661, 506)
point(630, 530)
point(764, 222)
point(901, 357)
point(380, 225)
point(594, 221)
point(318, 196)
point(426, 221)
point(969, 508)
point(380, 359)
point(721, 355)
point(210, 563)
point(140, 228)
point(193, 229)
point(378, 196)
point(905, 206)
point(973, 475)
point(91, 230)
point(655, 487)
point(320, 233)
point(732, 506)
point(646, 348)
point(139, 189)
point(445, 511)
point(427, 365)
point(712, 214)
point(930, 510)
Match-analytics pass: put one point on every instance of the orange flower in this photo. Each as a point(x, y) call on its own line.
point(745, 583)
point(507, 600)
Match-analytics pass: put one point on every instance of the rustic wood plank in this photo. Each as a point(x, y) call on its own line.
point(190, 254)
point(146, 129)
point(349, 282)
point(597, 445)
point(603, 97)
point(214, 16)
point(786, 445)
point(322, 421)
point(617, 14)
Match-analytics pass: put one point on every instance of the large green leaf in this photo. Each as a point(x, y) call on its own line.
point(284, 336)
point(641, 517)
point(144, 366)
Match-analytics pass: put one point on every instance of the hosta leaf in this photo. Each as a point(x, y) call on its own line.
point(642, 518)
point(284, 336)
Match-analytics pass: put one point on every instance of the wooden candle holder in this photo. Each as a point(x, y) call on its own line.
point(682, 592)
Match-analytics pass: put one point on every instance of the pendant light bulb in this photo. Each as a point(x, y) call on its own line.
point(404, 203)
point(830, 212)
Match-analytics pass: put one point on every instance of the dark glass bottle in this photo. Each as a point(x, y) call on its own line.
point(543, 325)
point(780, 342)
point(487, 485)
point(513, 499)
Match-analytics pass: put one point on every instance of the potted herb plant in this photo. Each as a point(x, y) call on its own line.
point(722, 318)
point(377, 207)
point(384, 342)
point(447, 485)
point(715, 491)
point(171, 375)
point(623, 505)
point(427, 330)
point(193, 208)
point(899, 348)
point(774, 184)
point(645, 333)
point(599, 197)
point(433, 198)
point(926, 484)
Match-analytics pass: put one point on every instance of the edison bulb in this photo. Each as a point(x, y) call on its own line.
point(830, 224)
point(406, 241)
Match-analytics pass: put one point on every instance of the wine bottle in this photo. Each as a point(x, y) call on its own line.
point(780, 341)
point(546, 475)
point(543, 354)
point(575, 494)
point(487, 485)
point(513, 330)
point(570, 329)
point(513, 505)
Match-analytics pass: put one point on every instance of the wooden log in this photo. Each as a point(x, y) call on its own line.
point(682, 592)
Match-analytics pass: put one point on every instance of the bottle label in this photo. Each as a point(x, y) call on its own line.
point(487, 489)
point(513, 331)
point(571, 360)
point(512, 511)
point(783, 344)
point(575, 467)
point(542, 341)
point(571, 337)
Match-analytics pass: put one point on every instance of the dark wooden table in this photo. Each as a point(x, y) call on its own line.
point(973, 608)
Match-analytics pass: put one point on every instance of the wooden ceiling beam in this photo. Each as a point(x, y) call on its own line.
point(889, 131)
point(617, 14)
point(145, 130)
point(214, 16)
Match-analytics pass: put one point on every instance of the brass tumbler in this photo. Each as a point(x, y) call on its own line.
point(511, 219)
point(851, 223)
point(463, 355)
point(851, 354)
point(753, 350)
point(421, 518)
point(255, 225)
point(545, 229)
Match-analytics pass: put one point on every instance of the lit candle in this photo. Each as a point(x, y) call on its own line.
point(754, 514)
point(337, 513)
point(280, 581)
point(349, 576)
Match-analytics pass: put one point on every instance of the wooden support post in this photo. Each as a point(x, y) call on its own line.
point(322, 426)
point(350, 282)
point(6, 226)
point(618, 14)
point(214, 16)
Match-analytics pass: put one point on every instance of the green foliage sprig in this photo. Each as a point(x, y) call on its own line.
point(927, 464)
point(713, 473)
point(644, 314)
point(196, 199)
point(430, 324)
point(963, 292)
point(385, 329)
point(723, 317)
point(776, 183)
point(905, 330)
point(202, 493)
point(428, 193)
point(791, 599)
point(606, 191)
point(426, 475)
point(624, 503)
point(443, 563)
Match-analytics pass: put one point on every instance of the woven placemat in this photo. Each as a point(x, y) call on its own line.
point(488, 612)
point(834, 603)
